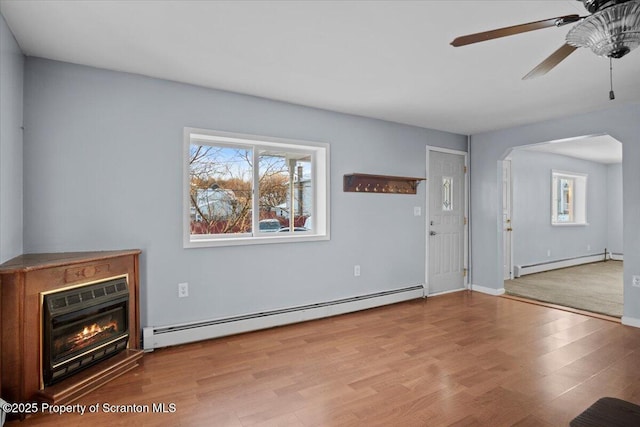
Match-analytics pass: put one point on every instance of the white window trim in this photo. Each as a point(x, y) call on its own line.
point(582, 212)
point(321, 178)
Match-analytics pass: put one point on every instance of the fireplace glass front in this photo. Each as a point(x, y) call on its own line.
point(83, 326)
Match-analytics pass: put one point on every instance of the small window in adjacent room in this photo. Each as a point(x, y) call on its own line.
point(245, 189)
point(568, 198)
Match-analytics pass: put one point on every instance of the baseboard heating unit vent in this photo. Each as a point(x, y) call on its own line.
point(157, 337)
point(521, 270)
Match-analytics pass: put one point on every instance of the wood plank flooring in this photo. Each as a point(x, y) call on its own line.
point(461, 359)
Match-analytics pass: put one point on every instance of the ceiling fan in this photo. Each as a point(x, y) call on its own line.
point(612, 29)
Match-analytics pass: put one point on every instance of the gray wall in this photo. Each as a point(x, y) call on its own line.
point(103, 170)
point(614, 202)
point(11, 79)
point(533, 233)
point(621, 122)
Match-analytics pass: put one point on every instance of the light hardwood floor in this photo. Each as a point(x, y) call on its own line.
point(461, 359)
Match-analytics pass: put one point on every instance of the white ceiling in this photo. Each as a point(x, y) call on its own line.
point(383, 59)
point(602, 149)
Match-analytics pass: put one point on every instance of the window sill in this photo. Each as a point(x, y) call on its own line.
point(569, 224)
point(205, 242)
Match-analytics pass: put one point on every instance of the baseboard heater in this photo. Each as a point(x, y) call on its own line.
point(616, 256)
point(522, 270)
point(157, 337)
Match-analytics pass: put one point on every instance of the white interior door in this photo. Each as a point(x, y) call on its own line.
point(446, 221)
point(506, 219)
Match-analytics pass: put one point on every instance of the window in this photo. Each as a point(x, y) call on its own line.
point(568, 198)
point(447, 193)
point(245, 189)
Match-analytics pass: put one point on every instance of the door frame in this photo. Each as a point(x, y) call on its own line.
point(506, 164)
point(466, 215)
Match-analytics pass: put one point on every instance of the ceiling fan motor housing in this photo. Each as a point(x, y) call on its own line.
point(595, 5)
point(613, 30)
point(619, 52)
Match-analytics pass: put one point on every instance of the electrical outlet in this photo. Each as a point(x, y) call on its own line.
point(183, 290)
point(635, 281)
point(548, 252)
point(356, 270)
point(588, 247)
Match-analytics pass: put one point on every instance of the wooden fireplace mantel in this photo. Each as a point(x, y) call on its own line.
point(22, 281)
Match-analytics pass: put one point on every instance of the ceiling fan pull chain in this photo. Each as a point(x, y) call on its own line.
point(612, 96)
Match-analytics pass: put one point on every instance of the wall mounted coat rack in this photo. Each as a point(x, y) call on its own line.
point(367, 183)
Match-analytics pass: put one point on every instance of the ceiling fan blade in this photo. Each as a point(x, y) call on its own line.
point(554, 59)
point(516, 29)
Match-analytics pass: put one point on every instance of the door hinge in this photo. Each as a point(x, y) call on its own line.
point(464, 273)
point(465, 220)
point(465, 169)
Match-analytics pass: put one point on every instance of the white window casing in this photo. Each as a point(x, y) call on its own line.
point(568, 198)
point(261, 146)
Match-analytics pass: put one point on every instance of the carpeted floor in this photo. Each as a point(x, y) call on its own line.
point(593, 287)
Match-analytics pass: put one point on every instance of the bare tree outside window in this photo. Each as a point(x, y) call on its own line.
point(244, 189)
point(221, 189)
point(273, 182)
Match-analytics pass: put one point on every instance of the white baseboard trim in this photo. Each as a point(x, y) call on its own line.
point(616, 257)
point(520, 270)
point(435, 294)
point(164, 336)
point(630, 321)
point(489, 291)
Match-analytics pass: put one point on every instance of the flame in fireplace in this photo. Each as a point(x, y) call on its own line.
point(91, 331)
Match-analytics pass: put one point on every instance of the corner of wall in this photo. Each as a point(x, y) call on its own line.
point(488, 291)
point(11, 144)
point(630, 321)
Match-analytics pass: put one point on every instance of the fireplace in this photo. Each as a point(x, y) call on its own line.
point(82, 326)
point(70, 323)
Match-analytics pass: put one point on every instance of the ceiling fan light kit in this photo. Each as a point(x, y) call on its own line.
point(612, 32)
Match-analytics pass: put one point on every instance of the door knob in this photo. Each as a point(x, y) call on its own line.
point(432, 233)
point(509, 229)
